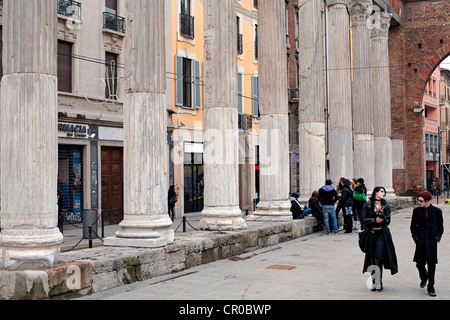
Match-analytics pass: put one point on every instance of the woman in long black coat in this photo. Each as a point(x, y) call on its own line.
point(427, 227)
point(376, 216)
point(347, 202)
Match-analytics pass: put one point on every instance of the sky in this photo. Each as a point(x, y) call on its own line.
point(446, 63)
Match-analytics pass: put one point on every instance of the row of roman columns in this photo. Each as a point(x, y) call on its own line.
point(30, 238)
point(357, 141)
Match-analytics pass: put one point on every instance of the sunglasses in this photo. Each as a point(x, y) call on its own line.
point(420, 201)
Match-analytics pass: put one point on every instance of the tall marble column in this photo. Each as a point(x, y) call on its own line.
point(274, 121)
point(220, 119)
point(362, 104)
point(340, 138)
point(146, 221)
point(30, 239)
point(382, 103)
point(312, 128)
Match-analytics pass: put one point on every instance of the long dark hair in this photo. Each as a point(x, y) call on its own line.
point(375, 190)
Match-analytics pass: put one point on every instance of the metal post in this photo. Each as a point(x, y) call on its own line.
point(90, 237)
point(184, 224)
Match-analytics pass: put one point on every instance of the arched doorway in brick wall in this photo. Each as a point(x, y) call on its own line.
point(417, 46)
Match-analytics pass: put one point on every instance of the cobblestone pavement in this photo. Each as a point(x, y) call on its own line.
point(317, 266)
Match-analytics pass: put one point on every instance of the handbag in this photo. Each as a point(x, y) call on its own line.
point(363, 240)
point(348, 211)
point(359, 196)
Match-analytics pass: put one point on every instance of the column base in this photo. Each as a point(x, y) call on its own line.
point(273, 211)
point(29, 249)
point(222, 219)
point(143, 231)
point(390, 195)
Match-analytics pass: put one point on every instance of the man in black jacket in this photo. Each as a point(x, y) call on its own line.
point(427, 227)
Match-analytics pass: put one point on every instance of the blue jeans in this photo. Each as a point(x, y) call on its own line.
point(304, 213)
point(332, 213)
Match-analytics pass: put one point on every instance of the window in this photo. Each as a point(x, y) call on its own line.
point(70, 181)
point(111, 77)
point(240, 43)
point(111, 20)
point(256, 42)
point(1, 51)
point(187, 21)
point(255, 96)
point(187, 82)
point(64, 66)
point(240, 93)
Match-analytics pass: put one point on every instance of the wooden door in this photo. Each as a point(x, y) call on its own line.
point(112, 185)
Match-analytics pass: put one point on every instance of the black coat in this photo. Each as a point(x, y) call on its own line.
point(346, 197)
point(295, 209)
point(426, 232)
point(316, 209)
point(368, 217)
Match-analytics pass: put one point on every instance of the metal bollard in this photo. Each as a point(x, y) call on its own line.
point(90, 237)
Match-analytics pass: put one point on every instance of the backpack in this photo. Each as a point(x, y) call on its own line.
point(359, 196)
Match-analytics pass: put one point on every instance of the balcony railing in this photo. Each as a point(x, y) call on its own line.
point(245, 121)
point(187, 23)
point(240, 44)
point(69, 8)
point(113, 22)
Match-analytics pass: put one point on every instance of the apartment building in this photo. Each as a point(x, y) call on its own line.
point(90, 108)
point(431, 130)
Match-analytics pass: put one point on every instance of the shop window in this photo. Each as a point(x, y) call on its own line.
point(70, 181)
point(193, 182)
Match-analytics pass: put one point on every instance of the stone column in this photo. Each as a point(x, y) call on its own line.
point(340, 137)
point(146, 221)
point(363, 154)
point(274, 121)
point(311, 107)
point(220, 119)
point(30, 239)
point(382, 103)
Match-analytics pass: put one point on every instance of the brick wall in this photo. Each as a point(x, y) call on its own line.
point(416, 49)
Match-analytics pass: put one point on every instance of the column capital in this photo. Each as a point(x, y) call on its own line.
point(332, 3)
point(381, 29)
point(359, 11)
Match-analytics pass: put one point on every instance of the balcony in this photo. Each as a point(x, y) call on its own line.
point(113, 22)
point(245, 122)
point(240, 44)
point(69, 8)
point(187, 23)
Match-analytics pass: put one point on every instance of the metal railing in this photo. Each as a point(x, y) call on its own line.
point(187, 23)
point(69, 8)
point(245, 121)
point(114, 22)
point(240, 43)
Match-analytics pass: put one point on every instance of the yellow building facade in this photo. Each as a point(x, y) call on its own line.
point(185, 102)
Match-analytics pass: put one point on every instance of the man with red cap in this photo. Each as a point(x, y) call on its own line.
point(427, 227)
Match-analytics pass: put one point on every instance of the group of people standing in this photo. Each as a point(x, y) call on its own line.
point(373, 216)
point(322, 203)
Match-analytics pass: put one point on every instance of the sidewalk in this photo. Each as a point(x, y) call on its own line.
point(73, 234)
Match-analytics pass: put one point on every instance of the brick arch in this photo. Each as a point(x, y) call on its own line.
point(417, 47)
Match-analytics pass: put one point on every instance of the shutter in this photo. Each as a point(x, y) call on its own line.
point(197, 97)
point(240, 94)
point(255, 96)
point(64, 66)
point(179, 81)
